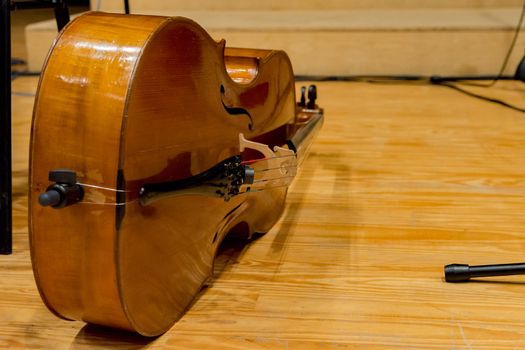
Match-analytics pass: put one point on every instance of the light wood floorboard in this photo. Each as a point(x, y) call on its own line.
point(402, 180)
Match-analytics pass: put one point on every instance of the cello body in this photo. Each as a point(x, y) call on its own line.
point(128, 100)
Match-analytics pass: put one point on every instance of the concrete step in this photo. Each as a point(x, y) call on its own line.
point(355, 42)
point(293, 5)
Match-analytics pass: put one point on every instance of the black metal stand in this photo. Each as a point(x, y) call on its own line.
point(6, 216)
point(60, 7)
point(6, 6)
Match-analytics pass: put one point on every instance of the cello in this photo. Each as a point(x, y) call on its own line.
point(151, 142)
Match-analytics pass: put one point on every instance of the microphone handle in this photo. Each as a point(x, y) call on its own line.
point(463, 272)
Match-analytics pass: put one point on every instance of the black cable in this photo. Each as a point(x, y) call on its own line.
point(371, 79)
point(447, 81)
point(363, 78)
point(380, 79)
point(15, 61)
point(481, 97)
point(499, 76)
point(16, 74)
point(436, 79)
point(512, 45)
point(408, 79)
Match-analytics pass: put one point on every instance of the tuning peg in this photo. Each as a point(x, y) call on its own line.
point(312, 96)
point(302, 102)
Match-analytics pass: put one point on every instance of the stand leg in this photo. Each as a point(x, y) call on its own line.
point(5, 130)
point(61, 14)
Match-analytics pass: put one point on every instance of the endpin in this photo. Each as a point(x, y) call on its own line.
point(64, 192)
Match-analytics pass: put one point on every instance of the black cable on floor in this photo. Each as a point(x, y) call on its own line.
point(481, 97)
point(411, 80)
point(499, 76)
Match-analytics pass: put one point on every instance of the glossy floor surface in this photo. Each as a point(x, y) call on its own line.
point(402, 180)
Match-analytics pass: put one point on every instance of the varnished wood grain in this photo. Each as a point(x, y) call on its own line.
point(126, 101)
point(78, 114)
point(401, 180)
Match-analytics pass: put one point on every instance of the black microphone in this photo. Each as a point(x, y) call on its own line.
point(463, 273)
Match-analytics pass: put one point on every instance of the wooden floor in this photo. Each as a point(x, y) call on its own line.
point(402, 180)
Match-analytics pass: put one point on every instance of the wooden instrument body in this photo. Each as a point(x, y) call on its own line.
point(125, 100)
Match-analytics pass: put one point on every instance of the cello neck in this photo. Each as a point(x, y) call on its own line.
point(309, 120)
point(303, 138)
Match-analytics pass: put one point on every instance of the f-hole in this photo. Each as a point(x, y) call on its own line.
point(235, 111)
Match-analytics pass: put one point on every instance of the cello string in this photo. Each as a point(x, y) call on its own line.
point(240, 193)
point(109, 203)
point(251, 161)
point(263, 189)
point(247, 162)
point(102, 188)
point(276, 168)
point(243, 163)
point(128, 191)
point(253, 190)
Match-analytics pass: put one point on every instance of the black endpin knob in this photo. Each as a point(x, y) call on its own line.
point(64, 192)
point(463, 272)
point(50, 198)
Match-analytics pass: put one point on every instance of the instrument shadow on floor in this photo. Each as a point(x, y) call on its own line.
point(293, 207)
point(229, 253)
point(98, 337)
point(316, 164)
